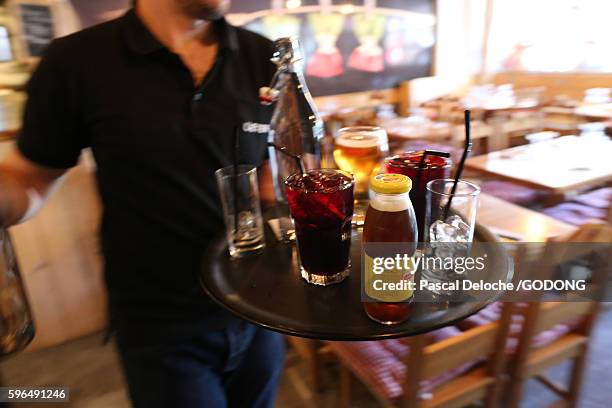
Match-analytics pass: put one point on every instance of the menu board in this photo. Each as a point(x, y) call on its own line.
point(349, 47)
point(37, 27)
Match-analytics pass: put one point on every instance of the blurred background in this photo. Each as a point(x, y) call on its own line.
point(536, 74)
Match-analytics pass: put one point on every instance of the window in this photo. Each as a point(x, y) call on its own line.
point(551, 35)
point(6, 52)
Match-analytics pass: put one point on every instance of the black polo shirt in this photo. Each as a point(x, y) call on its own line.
point(157, 140)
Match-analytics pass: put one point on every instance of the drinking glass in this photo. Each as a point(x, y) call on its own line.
point(321, 206)
point(455, 223)
point(360, 150)
point(449, 229)
point(241, 208)
point(434, 167)
point(16, 325)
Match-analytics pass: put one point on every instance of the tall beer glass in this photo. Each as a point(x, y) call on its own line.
point(359, 150)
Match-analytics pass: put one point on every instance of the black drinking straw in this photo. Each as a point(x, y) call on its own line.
point(421, 167)
point(235, 178)
point(296, 157)
point(466, 151)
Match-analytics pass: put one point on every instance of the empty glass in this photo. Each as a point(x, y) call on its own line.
point(241, 207)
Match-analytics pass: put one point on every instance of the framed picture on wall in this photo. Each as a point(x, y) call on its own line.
point(36, 26)
point(349, 46)
point(38, 22)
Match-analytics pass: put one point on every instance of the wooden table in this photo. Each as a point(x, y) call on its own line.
point(558, 166)
point(512, 221)
point(598, 112)
point(411, 128)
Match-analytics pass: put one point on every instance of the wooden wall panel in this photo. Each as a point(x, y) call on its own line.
point(570, 84)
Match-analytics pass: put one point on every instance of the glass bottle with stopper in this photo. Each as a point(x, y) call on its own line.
point(296, 125)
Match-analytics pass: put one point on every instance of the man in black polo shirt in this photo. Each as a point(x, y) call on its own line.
point(156, 94)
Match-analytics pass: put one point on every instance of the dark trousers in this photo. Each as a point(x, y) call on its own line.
point(236, 367)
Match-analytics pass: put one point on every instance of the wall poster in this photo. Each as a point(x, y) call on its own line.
point(349, 46)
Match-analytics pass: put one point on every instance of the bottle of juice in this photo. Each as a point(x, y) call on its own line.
point(389, 219)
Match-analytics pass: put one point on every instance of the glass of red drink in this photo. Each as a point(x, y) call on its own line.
point(407, 163)
point(321, 206)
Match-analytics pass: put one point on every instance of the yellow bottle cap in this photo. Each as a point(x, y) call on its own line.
point(389, 183)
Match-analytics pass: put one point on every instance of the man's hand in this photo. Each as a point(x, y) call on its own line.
point(24, 187)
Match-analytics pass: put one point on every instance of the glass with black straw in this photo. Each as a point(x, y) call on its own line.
point(282, 223)
point(422, 167)
point(452, 203)
point(450, 220)
point(321, 204)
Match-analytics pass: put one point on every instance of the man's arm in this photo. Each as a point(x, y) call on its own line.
point(24, 187)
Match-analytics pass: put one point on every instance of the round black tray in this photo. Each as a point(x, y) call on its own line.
point(267, 290)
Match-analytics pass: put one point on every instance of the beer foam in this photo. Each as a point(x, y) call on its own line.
point(359, 140)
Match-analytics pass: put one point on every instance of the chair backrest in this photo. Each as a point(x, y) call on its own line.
point(451, 353)
point(482, 346)
point(551, 314)
point(573, 318)
point(419, 90)
point(545, 315)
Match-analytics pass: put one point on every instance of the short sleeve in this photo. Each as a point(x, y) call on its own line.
point(49, 134)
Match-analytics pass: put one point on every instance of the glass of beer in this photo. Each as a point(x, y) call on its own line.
point(321, 206)
point(359, 150)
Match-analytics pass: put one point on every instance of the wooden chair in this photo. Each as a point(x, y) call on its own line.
point(415, 92)
point(530, 361)
point(315, 354)
point(482, 346)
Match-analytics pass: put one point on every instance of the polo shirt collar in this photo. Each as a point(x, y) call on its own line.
point(142, 41)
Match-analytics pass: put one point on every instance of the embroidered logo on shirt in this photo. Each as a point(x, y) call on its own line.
point(252, 127)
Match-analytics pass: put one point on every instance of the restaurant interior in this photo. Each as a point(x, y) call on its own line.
point(536, 79)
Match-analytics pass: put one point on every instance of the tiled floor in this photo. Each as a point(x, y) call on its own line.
point(92, 372)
